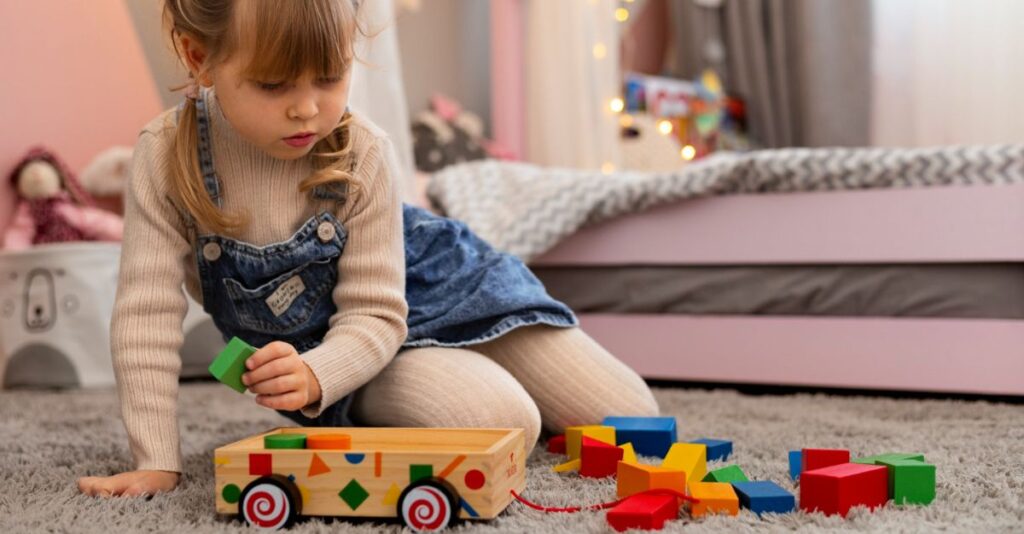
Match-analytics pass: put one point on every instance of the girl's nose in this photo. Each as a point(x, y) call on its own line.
point(304, 109)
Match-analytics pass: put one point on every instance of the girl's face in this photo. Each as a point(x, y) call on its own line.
point(271, 113)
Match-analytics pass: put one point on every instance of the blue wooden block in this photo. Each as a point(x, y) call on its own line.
point(795, 463)
point(650, 436)
point(718, 449)
point(764, 496)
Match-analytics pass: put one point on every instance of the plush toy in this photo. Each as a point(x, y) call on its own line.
point(53, 207)
point(105, 177)
point(447, 134)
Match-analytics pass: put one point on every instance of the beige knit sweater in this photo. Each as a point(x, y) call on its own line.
point(157, 260)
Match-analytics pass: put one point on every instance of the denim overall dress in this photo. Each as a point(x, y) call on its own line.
point(460, 291)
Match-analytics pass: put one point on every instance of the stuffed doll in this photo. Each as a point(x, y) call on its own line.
point(53, 207)
point(105, 177)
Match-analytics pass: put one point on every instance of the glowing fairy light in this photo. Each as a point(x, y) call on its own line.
point(626, 120)
point(607, 168)
point(665, 127)
point(616, 105)
point(688, 152)
point(600, 51)
point(622, 14)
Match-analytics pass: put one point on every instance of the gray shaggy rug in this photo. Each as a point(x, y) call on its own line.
point(48, 439)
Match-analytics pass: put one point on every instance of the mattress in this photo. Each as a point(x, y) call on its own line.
point(975, 290)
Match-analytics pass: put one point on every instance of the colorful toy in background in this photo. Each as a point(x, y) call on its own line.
point(52, 206)
point(829, 481)
point(699, 114)
point(428, 478)
point(447, 134)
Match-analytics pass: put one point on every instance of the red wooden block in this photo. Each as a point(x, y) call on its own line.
point(598, 459)
point(818, 458)
point(835, 489)
point(648, 512)
point(556, 444)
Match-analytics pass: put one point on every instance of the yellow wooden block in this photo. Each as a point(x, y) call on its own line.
point(574, 437)
point(634, 478)
point(690, 458)
point(571, 465)
point(628, 454)
point(713, 497)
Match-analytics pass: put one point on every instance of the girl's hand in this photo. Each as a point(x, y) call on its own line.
point(129, 484)
point(280, 379)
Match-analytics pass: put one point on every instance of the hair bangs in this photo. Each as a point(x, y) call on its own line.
point(285, 40)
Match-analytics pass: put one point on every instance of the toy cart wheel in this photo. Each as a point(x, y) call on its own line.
point(428, 505)
point(272, 502)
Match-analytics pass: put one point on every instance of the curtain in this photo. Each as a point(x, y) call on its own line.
point(803, 67)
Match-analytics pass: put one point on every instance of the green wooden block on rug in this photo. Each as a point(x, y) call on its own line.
point(873, 460)
point(729, 473)
point(229, 366)
point(910, 481)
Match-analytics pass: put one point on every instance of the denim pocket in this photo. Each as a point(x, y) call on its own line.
point(286, 303)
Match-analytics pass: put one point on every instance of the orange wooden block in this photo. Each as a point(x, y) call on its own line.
point(634, 478)
point(329, 441)
point(714, 497)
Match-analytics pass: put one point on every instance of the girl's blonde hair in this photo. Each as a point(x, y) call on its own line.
point(284, 39)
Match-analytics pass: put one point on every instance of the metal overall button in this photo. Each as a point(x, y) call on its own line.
point(211, 251)
point(325, 231)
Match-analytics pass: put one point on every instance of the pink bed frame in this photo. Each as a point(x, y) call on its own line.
point(940, 225)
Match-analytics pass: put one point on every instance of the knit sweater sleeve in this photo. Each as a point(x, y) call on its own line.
point(146, 327)
point(370, 324)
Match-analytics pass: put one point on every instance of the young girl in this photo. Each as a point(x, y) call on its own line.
point(278, 209)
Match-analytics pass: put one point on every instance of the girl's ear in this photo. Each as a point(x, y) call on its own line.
point(195, 59)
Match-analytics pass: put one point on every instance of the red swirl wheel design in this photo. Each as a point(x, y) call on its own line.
point(270, 502)
point(428, 506)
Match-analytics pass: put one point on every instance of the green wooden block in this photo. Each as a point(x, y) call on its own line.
point(284, 441)
point(910, 481)
point(873, 460)
point(229, 366)
point(729, 473)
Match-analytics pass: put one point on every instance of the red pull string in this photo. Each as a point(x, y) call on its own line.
point(602, 506)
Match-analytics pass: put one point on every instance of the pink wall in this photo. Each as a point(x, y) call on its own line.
point(508, 105)
point(75, 80)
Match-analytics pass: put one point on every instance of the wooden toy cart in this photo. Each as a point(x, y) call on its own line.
point(427, 477)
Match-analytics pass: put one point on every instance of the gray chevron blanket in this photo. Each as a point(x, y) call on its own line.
point(525, 209)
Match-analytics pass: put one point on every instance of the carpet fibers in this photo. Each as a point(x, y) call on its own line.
point(48, 439)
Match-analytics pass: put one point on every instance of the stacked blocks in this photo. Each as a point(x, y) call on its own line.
point(795, 464)
point(764, 496)
point(817, 458)
point(598, 459)
point(229, 365)
point(837, 488)
point(650, 436)
point(729, 473)
point(643, 511)
point(635, 478)
point(574, 437)
point(688, 457)
point(713, 497)
point(718, 449)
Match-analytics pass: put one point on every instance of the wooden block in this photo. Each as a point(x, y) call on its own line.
point(650, 436)
point(874, 460)
point(910, 481)
point(635, 478)
point(688, 457)
point(571, 465)
point(817, 458)
point(795, 464)
point(628, 454)
point(729, 473)
point(598, 459)
point(229, 365)
point(718, 449)
point(556, 444)
point(837, 488)
point(284, 441)
point(574, 437)
point(713, 497)
point(764, 496)
point(329, 442)
point(647, 512)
